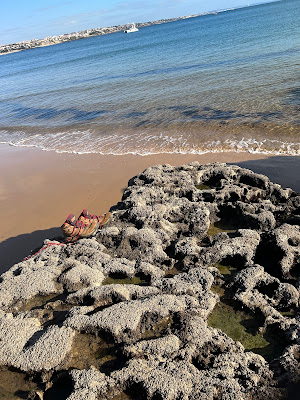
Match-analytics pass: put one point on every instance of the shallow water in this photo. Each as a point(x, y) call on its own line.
point(217, 82)
point(243, 325)
point(15, 384)
point(118, 279)
point(218, 227)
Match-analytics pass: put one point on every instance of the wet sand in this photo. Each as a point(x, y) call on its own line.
point(39, 189)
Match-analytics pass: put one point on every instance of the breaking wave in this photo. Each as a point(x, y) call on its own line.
point(87, 142)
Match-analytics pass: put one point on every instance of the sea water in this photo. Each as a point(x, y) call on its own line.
point(220, 82)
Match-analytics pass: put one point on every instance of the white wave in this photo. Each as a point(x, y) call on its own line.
point(143, 144)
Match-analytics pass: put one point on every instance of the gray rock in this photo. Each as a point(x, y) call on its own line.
point(111, 294)
point(124, 320)
point(25, 345)
point(36, 276)
point(80, 275)
point(286, 241)
point(256, 288)
point(287, 367)
point(241, 249)
point(164, 348)
point(89, 384)
point(196, 283)
point(154, 335)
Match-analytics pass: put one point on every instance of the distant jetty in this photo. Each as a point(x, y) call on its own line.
point(67, 37)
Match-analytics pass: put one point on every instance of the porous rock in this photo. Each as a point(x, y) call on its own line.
point(89, 384)
point(25, 345)
point(80, 275)
point(174, 233)
point(165, 348)
point(111, 294)
point(123, 320)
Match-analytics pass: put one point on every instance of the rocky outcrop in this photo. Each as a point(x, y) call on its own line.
point(133, 312)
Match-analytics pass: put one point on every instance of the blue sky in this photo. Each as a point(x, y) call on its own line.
point(24, 20)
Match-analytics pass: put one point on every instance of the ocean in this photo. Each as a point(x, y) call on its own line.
point(224, 82)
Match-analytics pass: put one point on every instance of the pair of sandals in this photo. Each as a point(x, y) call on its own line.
point(85, 226)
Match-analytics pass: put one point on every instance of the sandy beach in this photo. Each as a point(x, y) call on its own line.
point(39, 189)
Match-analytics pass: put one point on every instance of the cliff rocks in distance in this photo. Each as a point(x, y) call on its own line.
point(67, 37)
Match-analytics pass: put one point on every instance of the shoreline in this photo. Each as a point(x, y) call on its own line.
point(39, 189)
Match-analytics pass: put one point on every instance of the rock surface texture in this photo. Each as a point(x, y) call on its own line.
point(133, 312)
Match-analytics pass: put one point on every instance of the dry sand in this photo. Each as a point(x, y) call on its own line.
point(38, 189)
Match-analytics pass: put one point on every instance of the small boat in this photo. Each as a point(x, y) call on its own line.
point(132, 29)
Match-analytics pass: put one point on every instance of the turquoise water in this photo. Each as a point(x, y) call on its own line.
point(211, 83)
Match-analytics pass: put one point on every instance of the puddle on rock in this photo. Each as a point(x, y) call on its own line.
point(38, 302)
point(49, 310)
point(89, 349)
point(240, 325)
point(244, 327)
point(218, 289)
point(15, 385)
point(202, 186)
point(170, 273)
point(220, 226)
point(53, 318)
point(122, 396)
point(290, 313)
point(159, 329)
point(121, 279)
point(226, 270)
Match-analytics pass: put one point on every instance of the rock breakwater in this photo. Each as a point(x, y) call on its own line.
point(134, 313)
point(68, 37)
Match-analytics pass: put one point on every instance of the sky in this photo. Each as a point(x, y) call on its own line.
point(35, 19)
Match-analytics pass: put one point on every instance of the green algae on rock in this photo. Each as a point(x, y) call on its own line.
point(225, 269)
point(202, 186)
point(218, 289)
point(289, 313)
point(244, 327)
point(116, 279)
point(90, 349)
point(38, 302)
